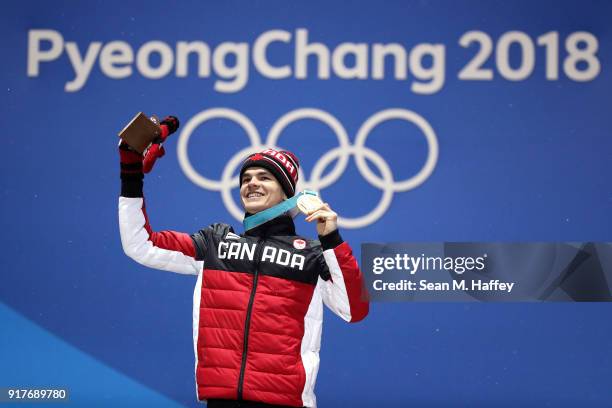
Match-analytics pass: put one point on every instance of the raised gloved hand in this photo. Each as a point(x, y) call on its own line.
point(168, 126)
point(171, 124)
point(133, 164)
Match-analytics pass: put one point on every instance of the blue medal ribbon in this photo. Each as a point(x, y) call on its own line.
point(264, 216)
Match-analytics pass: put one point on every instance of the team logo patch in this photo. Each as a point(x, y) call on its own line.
point(299, 244)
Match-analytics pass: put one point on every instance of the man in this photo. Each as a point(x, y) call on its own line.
point(258, 299)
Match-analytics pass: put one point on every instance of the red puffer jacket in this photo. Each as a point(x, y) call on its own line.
point(257, 315)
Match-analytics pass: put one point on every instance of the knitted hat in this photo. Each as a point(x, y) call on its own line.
point(282, 164)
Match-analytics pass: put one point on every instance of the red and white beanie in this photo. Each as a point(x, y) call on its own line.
point(281, 163)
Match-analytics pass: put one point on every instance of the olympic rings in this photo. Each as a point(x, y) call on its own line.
point(342, 153)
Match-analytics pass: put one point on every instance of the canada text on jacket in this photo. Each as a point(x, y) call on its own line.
point(244, 250)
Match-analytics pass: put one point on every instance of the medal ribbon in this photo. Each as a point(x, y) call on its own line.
point(264, 216)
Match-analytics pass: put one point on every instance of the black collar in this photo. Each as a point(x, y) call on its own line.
point(281, 225)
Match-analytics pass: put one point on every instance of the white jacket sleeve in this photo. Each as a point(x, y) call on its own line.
point(167, 250)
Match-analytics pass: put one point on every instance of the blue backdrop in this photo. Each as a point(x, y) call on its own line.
point(513, 96)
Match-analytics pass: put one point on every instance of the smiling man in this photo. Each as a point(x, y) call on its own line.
point(259, 190)
point(258, 300)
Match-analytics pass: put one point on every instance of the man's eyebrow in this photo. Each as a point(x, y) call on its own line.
point(258, 173)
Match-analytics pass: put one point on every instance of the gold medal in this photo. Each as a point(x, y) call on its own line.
point(308, 203)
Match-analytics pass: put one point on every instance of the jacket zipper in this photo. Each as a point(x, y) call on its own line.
point(247, 322)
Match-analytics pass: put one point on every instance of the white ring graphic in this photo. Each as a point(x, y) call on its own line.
point(382, 165)
point(196, 121)
point(432, 144)
point(387, 183)
point(329, 120)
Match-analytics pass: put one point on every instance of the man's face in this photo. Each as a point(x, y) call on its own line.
point(259, 190)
